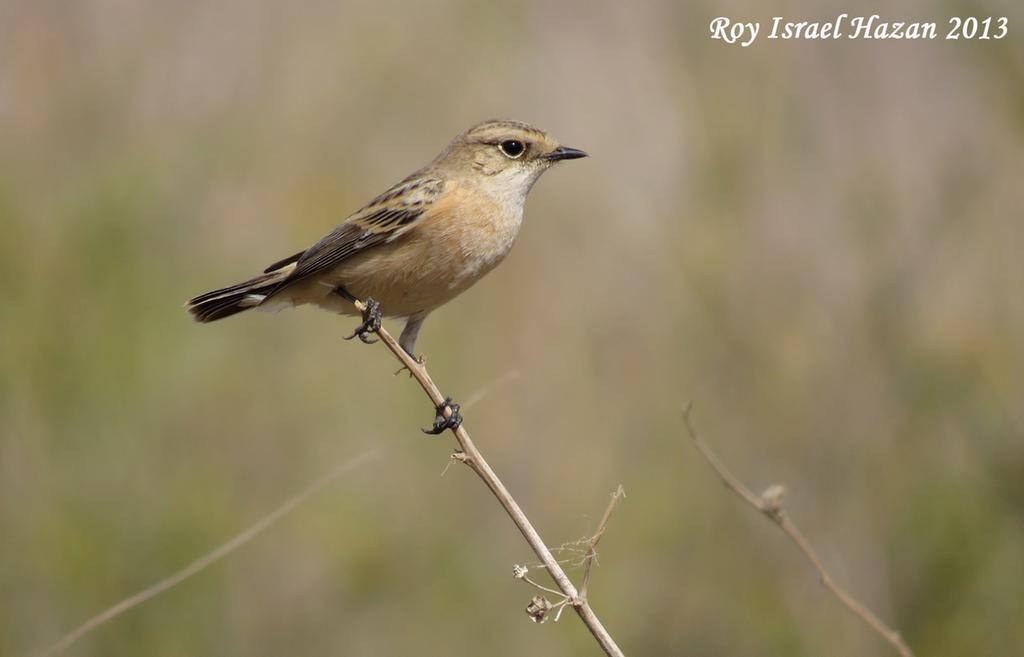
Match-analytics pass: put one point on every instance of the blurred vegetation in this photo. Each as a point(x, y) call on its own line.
point(816, 243)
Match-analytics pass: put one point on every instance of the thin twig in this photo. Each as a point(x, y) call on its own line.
point(546, 589)
point(214, 555)
point(472, 457)
point(591, 556)
point(770, 504)
point(244, 537)
point(479, 395)
point(539, 608)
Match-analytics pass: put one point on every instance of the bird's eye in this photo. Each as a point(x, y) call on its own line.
point(512, 148)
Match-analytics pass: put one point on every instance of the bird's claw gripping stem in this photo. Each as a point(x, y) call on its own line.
point(371, 323)
point(442, 423)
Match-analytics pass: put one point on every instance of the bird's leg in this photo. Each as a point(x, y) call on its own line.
point(371, 317)
point(441, 423)
point(408, 339)
point(410, 333)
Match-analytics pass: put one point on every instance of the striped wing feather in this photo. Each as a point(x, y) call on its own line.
point(381, 220)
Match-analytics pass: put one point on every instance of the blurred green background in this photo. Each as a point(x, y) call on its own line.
point(818, 244)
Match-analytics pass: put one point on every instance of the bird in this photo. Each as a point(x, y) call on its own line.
point(416, 246)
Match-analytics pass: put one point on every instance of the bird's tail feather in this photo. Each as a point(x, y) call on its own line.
point(232, 299)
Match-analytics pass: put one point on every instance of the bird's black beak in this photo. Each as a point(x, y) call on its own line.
point(564, 153)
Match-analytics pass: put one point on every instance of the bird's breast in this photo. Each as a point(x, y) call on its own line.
point(483, 231)
point(464, 235)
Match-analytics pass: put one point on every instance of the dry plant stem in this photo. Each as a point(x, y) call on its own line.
point(471, 456)
point(214, 555)
point(240, 539)
point(772, 509)
point(591, 555)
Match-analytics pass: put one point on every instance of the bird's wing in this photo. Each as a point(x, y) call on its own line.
point(283, 262)
point(381, 220)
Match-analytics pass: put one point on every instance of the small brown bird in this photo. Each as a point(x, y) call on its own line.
point(419, 244)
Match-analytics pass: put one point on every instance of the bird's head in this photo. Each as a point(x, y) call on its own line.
point(507, 156)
